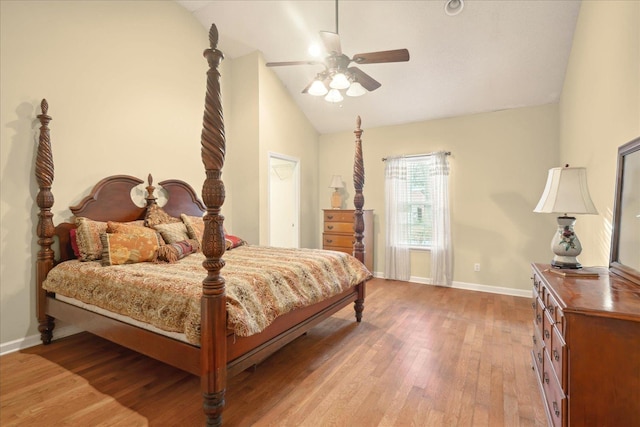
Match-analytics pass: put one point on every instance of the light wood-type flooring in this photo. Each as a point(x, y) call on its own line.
point(423, 356)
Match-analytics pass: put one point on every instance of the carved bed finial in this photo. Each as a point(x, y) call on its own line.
point(45, 229)
point(151, 198)
point(213, 314)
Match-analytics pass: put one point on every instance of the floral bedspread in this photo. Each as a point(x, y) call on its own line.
point(261, 284)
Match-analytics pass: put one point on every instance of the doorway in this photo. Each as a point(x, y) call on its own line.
point(284, 201)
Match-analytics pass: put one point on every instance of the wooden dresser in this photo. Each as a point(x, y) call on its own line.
point(586, 348)
point(338, 234)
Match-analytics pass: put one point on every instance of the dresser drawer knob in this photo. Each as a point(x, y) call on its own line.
point(533, 305)
point(545, 377)
point(538, 318)
point(547, 334)
point(330, 227)
point(330, 216)
point(329, 241)
point(556, 355)
point(556, 409)
point(539, 357)
point(551, 309)
point(535, 340)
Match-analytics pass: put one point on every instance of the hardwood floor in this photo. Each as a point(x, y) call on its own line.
point(423, 356)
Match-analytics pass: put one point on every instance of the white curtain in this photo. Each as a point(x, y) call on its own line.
point(441, 251)
point(397, 263)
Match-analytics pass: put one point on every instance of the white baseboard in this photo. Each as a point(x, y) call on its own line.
point(33, 340)
point(470, 286)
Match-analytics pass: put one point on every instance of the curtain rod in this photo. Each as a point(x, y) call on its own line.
point(384, 159)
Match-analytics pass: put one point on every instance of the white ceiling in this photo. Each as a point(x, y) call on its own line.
point(495, 54)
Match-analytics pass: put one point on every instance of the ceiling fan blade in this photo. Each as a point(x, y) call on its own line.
point(367, 82)
point(331, 42)
point(398, 55)
point(279, 64)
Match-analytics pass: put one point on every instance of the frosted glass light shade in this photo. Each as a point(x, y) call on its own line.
point(356, 89)
point(334, 95)
point(317, 88)
point(339, 81)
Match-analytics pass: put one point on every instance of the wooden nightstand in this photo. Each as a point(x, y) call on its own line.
point(338, 234)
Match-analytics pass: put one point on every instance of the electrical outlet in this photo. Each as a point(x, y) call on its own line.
point(476, 266)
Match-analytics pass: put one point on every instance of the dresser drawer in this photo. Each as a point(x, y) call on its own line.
point(339, 227)
point(538, 319)
point(555, 399)
point(538, 351)
point(554, 310)
point(557, 354)
point(337, 216)
point(337, 240)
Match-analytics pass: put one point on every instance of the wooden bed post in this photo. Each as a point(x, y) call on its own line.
point(213, 341)
point(358, 201)
point(45, 228)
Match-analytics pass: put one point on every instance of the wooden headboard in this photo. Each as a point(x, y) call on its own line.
point(110, 200)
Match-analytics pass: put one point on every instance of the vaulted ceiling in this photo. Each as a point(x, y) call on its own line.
point(493, 55)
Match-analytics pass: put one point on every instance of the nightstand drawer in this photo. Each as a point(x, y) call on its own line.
point(337, 216)
point(339, 227)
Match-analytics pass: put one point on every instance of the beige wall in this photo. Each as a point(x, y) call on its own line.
point(498, 164)
point(600, 109)
point(284, 129)
point(263, 118)
point(125, 83)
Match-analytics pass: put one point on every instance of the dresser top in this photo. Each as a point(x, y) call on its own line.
point(608, 295)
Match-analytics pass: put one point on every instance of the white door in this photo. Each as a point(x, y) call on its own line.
point(284, 201)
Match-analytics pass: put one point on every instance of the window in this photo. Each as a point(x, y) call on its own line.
point(418, 205)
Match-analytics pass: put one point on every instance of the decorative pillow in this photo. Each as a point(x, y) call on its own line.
point(88, 234)
point(88, 238)
point(175, 251)
point(73, 237)
point(156, 215)
point(128, 228)
point(195, 226)
point(173, 232)
point(233, 241)
point(121, 248)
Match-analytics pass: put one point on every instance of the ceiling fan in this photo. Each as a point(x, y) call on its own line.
point(338, 75)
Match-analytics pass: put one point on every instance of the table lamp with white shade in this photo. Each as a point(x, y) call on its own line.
point(566, 192)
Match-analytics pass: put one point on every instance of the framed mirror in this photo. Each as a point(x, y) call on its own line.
point(625, 241)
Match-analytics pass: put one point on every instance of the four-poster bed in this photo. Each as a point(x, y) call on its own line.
point(218, 350)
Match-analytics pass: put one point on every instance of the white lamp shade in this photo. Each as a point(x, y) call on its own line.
point(356, 89)
point(336, 181)
point(317, 88)
point(339, 81)
point(566, 192)
point(334, 95)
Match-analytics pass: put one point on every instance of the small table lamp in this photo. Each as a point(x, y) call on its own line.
point(336, 199)
point(566, 191)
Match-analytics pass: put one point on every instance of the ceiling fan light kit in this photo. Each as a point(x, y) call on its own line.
point(338, 74)
point(334, 96)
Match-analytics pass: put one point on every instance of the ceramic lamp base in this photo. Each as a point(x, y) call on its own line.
point(336, 200)
point(565, 245)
